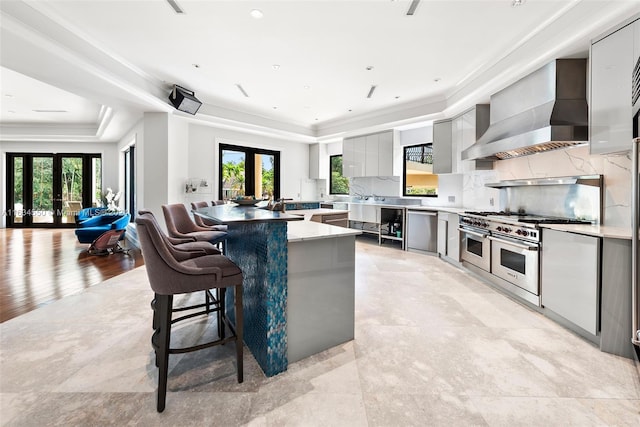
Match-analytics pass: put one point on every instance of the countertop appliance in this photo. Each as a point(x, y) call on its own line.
point(422, 229)
point(506, 245)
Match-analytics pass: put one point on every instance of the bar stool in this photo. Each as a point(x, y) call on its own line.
point(169, 276)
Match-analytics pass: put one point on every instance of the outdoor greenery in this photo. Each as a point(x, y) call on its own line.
point(338, 184)
point(233, 177)
point(421, 191)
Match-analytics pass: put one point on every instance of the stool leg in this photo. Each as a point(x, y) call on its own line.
point(221, 314)
point(207, 301)
point(239, 326)
point(164, 305)
point(156, 327)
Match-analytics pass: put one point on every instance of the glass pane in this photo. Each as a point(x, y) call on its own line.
point(71, 188)
point(513, 261)
point(264, 174)
point(233, 174)
point(338, 183)
point(420, 179)
point(96, 179)
point(18, 186)
point(42, 210)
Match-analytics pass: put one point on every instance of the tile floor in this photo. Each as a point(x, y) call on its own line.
point(433, 346)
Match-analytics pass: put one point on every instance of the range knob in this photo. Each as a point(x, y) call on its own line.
point(506, 230)
point(485, 224)
point(499, 228)
point(525, 233)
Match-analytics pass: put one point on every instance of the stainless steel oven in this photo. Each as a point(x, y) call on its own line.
point(475, 248)
point(517, 262)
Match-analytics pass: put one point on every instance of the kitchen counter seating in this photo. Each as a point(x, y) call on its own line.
point(92, 228)
point(288, 313)
point(169, 276)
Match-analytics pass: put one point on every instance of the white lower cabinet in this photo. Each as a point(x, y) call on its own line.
point(448, 236)
point(570, 277)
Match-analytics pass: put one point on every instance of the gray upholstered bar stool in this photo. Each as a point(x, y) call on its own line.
point(169, 276)
point(180, 224)
point(189, 244)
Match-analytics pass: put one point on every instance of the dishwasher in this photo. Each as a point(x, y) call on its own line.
point(422, 229)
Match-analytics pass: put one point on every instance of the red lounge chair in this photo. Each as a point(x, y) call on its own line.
point(107, 243)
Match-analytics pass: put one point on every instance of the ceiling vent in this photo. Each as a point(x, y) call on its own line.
point(412, 7)
point(175, 6)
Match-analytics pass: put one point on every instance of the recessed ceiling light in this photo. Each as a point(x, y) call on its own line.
point(316, 119)
point(275, 108)
point(515, 3)
point(275, 67)
point(350, 110)
point(307, 87)
point(196, 65)
point(397, 97)
point(49, 111)
point(8, 95)
point(307, 107)
point(256, 13)
point(369, 67)
point(12, 111)
point(437, 79)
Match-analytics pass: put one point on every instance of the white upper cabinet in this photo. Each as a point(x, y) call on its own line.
point(442, 147)
point(612, 61)
point(451, 137)
point(385, 154)
point(370, 155)
point(318, 161)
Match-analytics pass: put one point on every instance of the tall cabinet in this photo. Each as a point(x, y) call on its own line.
point(612, 59)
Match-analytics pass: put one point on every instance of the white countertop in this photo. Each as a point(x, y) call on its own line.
point(592, 230)
point(437, 208)
point(308, 213)
point(298, 231)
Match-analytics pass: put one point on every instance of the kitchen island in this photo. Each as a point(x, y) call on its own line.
point(298, 282)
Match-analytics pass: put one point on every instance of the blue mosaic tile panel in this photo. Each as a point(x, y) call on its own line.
point(295, 206)
point(260, 250)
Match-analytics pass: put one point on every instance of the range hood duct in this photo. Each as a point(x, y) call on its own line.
point(543, 111)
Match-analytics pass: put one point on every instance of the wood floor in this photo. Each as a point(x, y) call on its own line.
point(38, 266)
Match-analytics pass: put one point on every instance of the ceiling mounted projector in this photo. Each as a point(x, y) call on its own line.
point(184, 100)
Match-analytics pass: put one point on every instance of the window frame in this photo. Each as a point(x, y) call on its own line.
point(404, 170)
point(250, 153)
point(331, 175)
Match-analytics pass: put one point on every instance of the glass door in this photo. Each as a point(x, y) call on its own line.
point(233, 174)
point(41, 209)
point(48, 190)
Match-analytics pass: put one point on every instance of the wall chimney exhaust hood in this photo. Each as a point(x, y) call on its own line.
point(543, 111)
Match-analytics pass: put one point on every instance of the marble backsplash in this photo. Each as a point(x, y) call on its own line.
point(568, 162)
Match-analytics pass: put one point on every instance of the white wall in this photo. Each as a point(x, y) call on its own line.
point(108, 152)
point(568, 162)
point(203, 158)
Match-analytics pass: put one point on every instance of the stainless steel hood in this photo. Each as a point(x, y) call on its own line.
point(543, 111)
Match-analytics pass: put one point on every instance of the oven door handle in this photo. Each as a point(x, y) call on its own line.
point(473, 233)
point(514, 244)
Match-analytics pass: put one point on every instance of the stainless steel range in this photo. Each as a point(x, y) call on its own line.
point(506, 246)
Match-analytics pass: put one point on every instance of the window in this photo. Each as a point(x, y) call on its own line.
point(419, 179)
point(338, 184)
point(246, 171)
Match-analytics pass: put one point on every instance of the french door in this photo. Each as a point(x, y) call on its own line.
point(48, 190)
